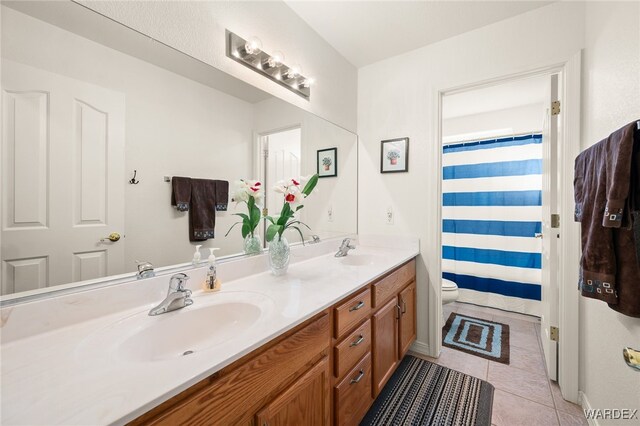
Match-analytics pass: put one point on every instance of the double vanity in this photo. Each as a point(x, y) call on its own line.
point(314, 346)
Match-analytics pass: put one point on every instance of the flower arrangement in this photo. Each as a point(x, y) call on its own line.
point(250, 193)
point(326, 162)
point(293, 198)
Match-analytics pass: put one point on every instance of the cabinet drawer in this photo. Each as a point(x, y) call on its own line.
point(392, 283)
point(352, 312)
point(353, 394)
point(352, 348)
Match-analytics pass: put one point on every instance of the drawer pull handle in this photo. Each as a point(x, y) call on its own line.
point(358, 306)
point(357, 342)
point(357, 379)
point(404, 307)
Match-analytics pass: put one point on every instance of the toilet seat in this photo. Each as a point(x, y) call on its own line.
point(448, 285)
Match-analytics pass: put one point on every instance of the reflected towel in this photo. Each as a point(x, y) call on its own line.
point(222, 195)
point(181, 193)
point(202, 211)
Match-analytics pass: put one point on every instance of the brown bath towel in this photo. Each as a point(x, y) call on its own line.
point(181, 193)
point(603, 186)
point(222, 195)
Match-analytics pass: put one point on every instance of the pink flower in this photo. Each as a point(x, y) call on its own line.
point(290, 198)
point(295, 182)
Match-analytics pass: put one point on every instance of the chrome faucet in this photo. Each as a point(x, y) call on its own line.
point(177, 296)
point(145, 270)
point(344, 248)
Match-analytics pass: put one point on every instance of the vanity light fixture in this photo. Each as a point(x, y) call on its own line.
point(249, 53)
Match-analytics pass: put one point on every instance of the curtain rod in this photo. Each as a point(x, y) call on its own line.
point(492, 138)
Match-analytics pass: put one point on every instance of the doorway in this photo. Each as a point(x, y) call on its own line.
point(565, 296)
point(280, 154)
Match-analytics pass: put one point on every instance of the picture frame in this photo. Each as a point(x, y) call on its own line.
point(327, 162)
point(394, 155)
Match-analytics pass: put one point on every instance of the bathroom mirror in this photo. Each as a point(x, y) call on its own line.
point(98, 118)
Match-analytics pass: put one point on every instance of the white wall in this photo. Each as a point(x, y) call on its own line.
point(337, 193)
point(611, 99)
point(174, 127)
point(398, 97)
point(198, 29)
point(521, 119)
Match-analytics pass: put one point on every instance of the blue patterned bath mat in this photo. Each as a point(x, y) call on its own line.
point(476, 336)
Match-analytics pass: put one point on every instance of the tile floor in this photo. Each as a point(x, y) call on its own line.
point(523, 393)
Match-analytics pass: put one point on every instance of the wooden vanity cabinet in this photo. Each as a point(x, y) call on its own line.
point(305, 402)
point(325, 371)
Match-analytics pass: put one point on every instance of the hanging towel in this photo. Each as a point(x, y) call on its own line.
point(603, 188)
point(222, 195)
point(202, 211)
point(181, 193)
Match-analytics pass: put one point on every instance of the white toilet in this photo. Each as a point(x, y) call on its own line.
point(449, 294)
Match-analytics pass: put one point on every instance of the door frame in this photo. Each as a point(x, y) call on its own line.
point(569, 246)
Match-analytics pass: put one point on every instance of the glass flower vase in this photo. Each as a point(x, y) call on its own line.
point(252, 244)
point(279, 255)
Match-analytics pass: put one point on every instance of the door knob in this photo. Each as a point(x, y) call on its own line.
point(113, 237)
point(632, 358)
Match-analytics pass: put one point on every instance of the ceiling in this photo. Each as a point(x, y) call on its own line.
point(365, 32)
point(506, 95)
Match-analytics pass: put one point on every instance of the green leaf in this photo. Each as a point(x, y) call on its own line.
point(298, 222)
point(242, 215)
point(251, 202)
point(299, 207)
point(246, 229)
point(270, 219)
point(255, 217)
point(232, 226)
point(310, 185)
point(272, 230)
point(299, 232)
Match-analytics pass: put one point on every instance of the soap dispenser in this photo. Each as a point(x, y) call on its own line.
point(212, 283)
point(196, 255)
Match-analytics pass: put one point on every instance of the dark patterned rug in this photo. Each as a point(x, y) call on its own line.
point(423, 393)
point(476, 336)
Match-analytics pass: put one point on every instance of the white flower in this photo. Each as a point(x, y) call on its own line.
point(246, 188)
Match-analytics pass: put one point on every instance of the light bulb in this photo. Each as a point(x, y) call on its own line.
point(276, 59)
point(294, 71)
point(253, 46)
point(308, 82)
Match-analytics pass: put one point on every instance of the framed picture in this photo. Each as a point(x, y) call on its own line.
point(328, 162)
point(394, 156)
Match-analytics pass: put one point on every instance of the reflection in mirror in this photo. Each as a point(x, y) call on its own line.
point(97, 121)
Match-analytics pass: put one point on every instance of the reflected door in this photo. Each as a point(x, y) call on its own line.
point(282, 162)
point(62, 179)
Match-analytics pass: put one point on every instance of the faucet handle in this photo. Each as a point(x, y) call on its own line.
point(181, 279)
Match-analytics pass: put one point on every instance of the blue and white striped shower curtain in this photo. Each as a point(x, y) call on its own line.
point(492, 209)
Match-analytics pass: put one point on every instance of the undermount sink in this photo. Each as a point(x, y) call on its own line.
point(358, 259)
point(212, 320)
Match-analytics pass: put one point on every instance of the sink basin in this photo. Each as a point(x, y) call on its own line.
point(359, 259)
point(212, 320)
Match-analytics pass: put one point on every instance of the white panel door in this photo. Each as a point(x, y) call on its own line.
point(549, 234)
point(62, 179)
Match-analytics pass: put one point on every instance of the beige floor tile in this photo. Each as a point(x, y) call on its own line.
point(562, 405)
point(463, 362)
point(533, 386)
point(569, 420)
point(511, 410)
point(526, 360)
point(475, 311)
point(525, 339)
point(515, 324)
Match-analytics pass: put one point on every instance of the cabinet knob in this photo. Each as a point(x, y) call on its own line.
point(358, 341)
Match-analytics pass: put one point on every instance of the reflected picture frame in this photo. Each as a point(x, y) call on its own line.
point(327, 162)
point(394, 155)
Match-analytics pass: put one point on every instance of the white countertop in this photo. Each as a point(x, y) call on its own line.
point(66, 375)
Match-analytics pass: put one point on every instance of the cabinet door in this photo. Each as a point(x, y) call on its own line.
point(385, 344)
point(407, 302)
point(305, 402)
